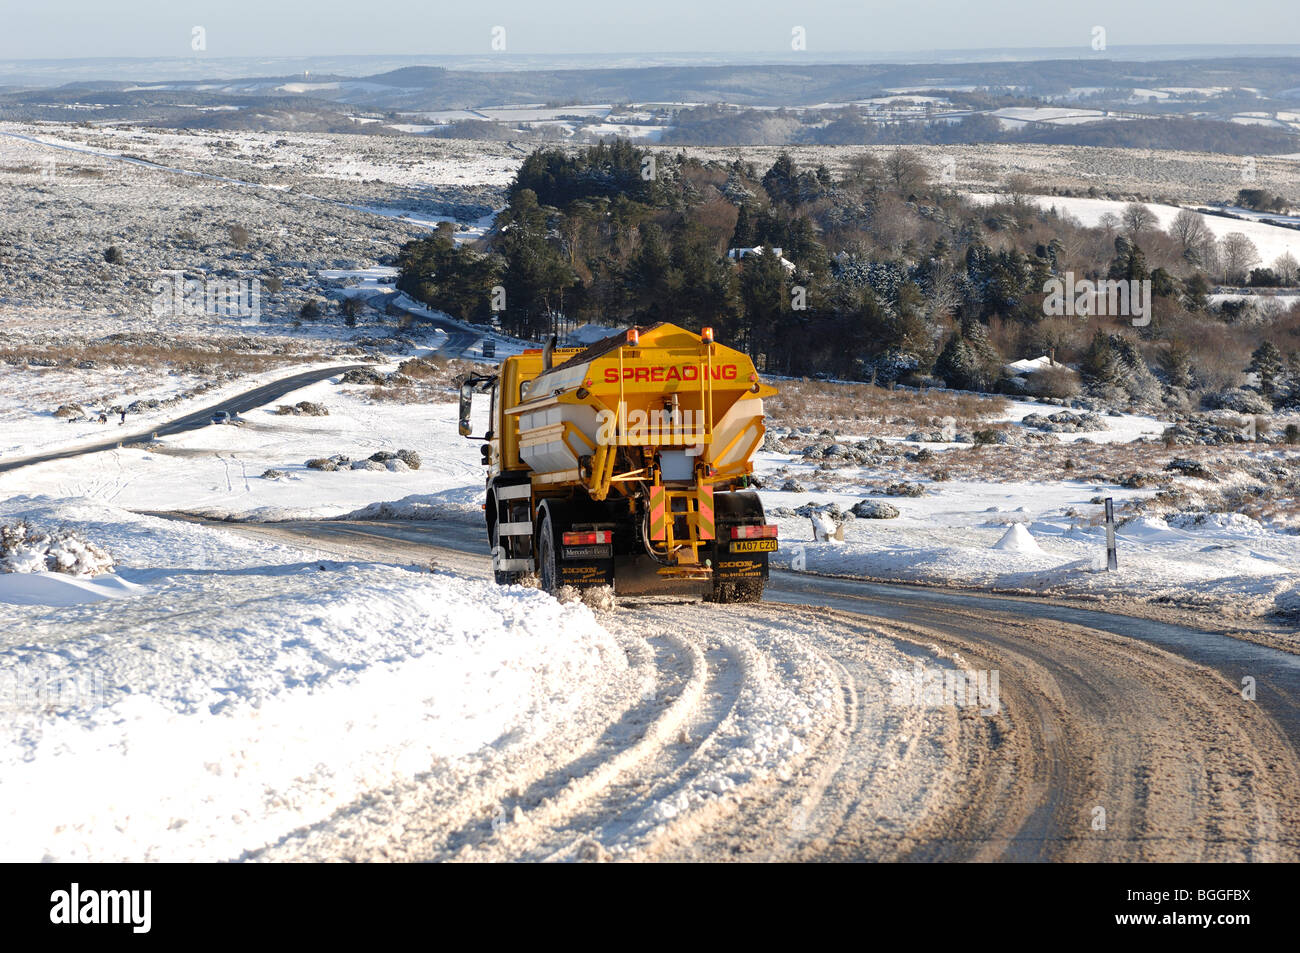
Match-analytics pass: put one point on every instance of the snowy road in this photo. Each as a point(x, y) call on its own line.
point(237, 403)
point(1114, 738)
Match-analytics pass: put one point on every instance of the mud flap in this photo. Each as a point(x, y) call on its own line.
point(731, 566)
point(586, 571)
point(740, 560)
point(585, 564)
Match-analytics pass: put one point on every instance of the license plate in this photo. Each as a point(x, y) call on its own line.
point(753, 546)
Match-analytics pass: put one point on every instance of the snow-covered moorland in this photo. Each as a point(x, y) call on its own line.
point(184, 692)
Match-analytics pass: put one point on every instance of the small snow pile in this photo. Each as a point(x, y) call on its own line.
point(23, 548)
point(56, 589)
point(1018, 540)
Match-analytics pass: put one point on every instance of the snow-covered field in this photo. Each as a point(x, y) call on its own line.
point(29, 399)
point(958, 534)
point(1272, 241)
point(1017, 117)
point(959, 531)
point(221, 696)
point(168, 202)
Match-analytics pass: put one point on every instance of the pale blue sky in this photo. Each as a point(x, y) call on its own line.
point(160, 28)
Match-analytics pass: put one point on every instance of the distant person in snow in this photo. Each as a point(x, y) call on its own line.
point(123, 420)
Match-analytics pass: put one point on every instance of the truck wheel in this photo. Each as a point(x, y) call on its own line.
point(502, 578)
point(548, 572)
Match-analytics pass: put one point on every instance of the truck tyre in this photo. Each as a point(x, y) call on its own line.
point(548, 571)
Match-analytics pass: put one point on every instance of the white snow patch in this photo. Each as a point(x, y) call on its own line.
point(60, 589)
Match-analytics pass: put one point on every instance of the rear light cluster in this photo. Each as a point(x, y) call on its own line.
point(588, 539)
point(754, 532)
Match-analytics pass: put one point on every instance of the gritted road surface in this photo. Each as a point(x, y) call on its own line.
point(1116, 738)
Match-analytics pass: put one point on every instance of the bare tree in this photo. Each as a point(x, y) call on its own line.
point(1287, 268)
point(1109, 222)
point(945, 294)
point(1019, 187)
point(1188, 229)
point(1138, 218)
point(865, 170)
point(891, 221)
point(906, 170)
point(1207, 253)
point(1237, 253)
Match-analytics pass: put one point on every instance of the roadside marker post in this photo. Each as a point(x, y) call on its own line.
point(1112, 561)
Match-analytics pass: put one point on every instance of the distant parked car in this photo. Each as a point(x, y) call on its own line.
point(221, 417)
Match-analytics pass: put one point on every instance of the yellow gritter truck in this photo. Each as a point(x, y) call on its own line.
point(626, 464)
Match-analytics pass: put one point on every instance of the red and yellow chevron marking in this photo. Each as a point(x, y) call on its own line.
point(705, 513)
point(658, 513)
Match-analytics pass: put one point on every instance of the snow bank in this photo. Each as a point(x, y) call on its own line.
point(252, 691)
point(59, 589)
point(463, 505)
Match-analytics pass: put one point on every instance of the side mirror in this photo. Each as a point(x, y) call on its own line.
point(466, 402)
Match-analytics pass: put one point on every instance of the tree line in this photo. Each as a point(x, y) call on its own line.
point(882, 274)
